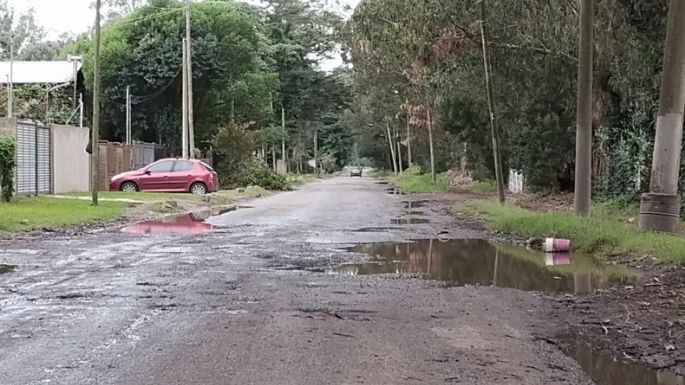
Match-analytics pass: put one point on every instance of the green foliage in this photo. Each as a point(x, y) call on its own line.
point(596, 235)
point(255, 172)
point(484, 187)
point(413, 180)
point(8, 150)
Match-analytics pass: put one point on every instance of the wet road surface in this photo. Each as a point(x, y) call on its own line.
point(249, 298)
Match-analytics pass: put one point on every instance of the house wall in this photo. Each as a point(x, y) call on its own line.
point(71, 166)
point(8, 126)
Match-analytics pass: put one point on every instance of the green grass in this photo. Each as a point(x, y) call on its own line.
point(412, 181)
point(36, 213)
point(302, 179)
point(484, 187)
point(602, 234)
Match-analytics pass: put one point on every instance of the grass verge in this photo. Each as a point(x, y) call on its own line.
point(484, 187)
point(597, 235)
point(37, 213)
point(413, 181)
point(302, 179)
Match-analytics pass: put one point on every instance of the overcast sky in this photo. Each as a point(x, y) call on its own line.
point(58, 16)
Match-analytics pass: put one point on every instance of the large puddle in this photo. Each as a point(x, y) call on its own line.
point(192, 224)
point(7, 268)
point(479, 262)
point(606, 369)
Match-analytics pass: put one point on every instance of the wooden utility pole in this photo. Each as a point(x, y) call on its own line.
point(392, 148)
point(399, 156)
point(409, 160)
point(184, 114)
point(128, 115)
point(10, 80)
point(430, 139)
point(189, 68)
point(660, 209)
point(95, 155)
point(583, 190)
point(494, 131)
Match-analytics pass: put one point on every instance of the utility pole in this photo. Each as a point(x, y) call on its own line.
point(494, 131)
point(583, 190)
point(75, 60)
point(409, 160)
point(430, 140)
point(95, 156)
point(80, 103)
point(283, 157)
point(10, 82)
point(189, 68)
point(316, 149)
point(128, 115)
point(184, 124)
point(660, 209)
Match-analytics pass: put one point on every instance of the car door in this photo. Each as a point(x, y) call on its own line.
point(182, 175)
point(156, 177)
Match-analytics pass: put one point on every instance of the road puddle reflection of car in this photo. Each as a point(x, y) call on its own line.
point(190, 224)
point(480, 262)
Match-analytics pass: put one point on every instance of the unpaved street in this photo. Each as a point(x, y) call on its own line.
point(254, 301)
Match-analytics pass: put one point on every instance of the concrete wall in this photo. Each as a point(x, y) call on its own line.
point(71, 167)
point(8, 126)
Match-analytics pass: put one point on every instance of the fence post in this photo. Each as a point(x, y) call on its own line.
point(36, 155)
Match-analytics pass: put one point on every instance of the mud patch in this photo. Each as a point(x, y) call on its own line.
point(479, 262)
point(191, 224)
point(7, 268)
point(394, 191)
point(606, 369)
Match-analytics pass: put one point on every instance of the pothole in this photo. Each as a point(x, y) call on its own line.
point(480, 262)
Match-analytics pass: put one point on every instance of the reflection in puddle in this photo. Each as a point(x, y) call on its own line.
point(409, 221)
point(7, 268)
point(186, 224)
point(605, 369)
point(414, 204)
point(479, 262)
point(394, 191)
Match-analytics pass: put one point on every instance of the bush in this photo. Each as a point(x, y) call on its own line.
point(8, 149)
point(255, 172)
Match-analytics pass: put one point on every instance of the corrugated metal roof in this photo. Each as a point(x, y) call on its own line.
point(38, 72)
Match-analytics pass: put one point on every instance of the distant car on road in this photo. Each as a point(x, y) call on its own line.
point(169, 175)
point(356, 171)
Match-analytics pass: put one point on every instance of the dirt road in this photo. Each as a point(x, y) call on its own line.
point(250, 302)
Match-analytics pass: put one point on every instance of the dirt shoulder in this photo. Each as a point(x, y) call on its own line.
point(642, 322)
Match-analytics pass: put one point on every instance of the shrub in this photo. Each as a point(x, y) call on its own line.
point(255, 172)
point(8, 149)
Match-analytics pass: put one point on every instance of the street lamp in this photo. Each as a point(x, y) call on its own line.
point(75, 60)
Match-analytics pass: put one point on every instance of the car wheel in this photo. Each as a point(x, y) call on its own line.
point(198, 189)
point(128, 187)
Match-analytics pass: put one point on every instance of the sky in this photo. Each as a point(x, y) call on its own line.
point(76, 16)
point(59, 16)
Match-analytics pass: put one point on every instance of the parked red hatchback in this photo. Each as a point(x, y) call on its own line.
point(169, 175)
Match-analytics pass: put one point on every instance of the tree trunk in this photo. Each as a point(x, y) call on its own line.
point(583, 190)
point(95, 156)
point(392, 148)
point(494, 131)
point(430, 140)
point(273, 157)
point(660, 209)
point(399, 156)
point(409, 160)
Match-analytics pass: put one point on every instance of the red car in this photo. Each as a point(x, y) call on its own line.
point(169, 175)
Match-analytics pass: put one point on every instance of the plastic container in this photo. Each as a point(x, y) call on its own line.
point(555, 245)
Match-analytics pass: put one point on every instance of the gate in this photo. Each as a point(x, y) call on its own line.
point(34, 159)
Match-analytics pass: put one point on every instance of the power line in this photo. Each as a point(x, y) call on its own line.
point(145, 98)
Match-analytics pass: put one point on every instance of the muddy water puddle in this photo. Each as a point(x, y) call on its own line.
point(479, 262)
point(409, 221)
point(606, 369)
point(414, 204)
point(7, 268)
point(192, 224)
